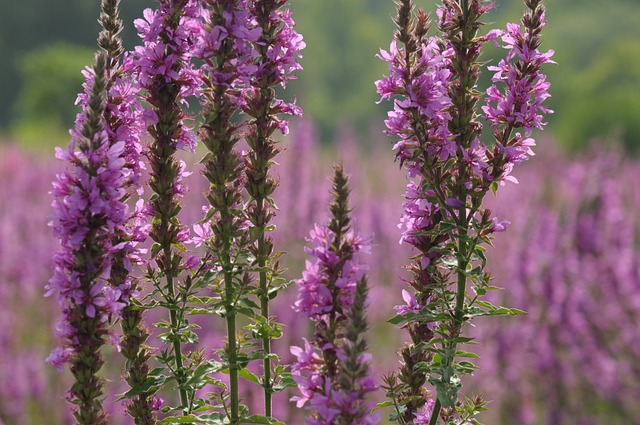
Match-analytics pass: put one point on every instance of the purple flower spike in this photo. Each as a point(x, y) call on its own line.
point(165, 58)
point(89, 211)
point(333, 375)
point(433, 83)
point(426, 99)
point(316, 299)
point(515, 100)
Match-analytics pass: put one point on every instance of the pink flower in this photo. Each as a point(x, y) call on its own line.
point(423, 416)
point(314, 297)
point(192, 262)
point(411, 306)
point(156, 402)
point(59, 356)
point(499, 226)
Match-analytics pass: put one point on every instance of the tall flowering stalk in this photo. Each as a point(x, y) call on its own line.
point(228, 57)
point(89, 209)
point(162, 66)
point(515, 100)
point(450, 170)
point(108, 154)
point(278, 51)
point(332, 372)
point(121, 126)
point(126, 122)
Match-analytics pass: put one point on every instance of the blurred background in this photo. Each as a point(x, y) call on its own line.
point(571, 257)
point(595, 85)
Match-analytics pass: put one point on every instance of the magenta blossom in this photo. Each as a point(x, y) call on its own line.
point(411, 306)
point(315, 297)
point(332, 372)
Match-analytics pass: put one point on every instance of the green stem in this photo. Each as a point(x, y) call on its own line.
point(460, 297)
point(462, 266)
point(435, 413)
point(177, 347)
point(231, 339)
point(264, 311)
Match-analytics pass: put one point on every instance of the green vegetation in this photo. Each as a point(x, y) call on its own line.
point(46, 98)
point(28, 26)
point(337, 84)
point(595, 86)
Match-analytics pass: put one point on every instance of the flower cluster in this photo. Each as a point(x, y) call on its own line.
point(525, 87)
point(278, 51)
point(89, 210)
point(229, 30)
point(433, 83)
point(127, 120)
point(519, 105)
point(316, 299)
point(169, 35)
point(283, 52)
point(333, 376)
point(424, 102)
point(126, 123)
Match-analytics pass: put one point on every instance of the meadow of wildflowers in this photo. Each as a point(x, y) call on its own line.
point(192, 292)
point(572, 261)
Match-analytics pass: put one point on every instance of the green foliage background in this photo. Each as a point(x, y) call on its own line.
point(596, 85)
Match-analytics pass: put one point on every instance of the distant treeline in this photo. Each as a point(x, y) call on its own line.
point(594, 85)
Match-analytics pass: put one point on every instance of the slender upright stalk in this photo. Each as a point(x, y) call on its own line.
point(162, 66)
point(264, 308)
point(277, 49)
point(123, 117)
point(234, 398)
point(433, 81)
point(226, 61)
point(332, 371)
point(83, 264)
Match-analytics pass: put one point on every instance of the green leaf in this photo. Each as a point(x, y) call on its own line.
point(402, 318)
point(155, 249)
point(150, 385)
point(488, 309)
point(196, 311)
point(210, 419)
point(203, 370)
point(468, 365)
point(259, 419)
point(285, 381)
point(189, 337)
point(179, 247)
point(181, 420)
point(382, 405)
point(396, 413)
point(493, 288)
point(466, 355)
point(494, 188)
point(249, 376)
point(250, 303)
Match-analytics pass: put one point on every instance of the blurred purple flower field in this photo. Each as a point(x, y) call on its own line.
point(571, 260)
